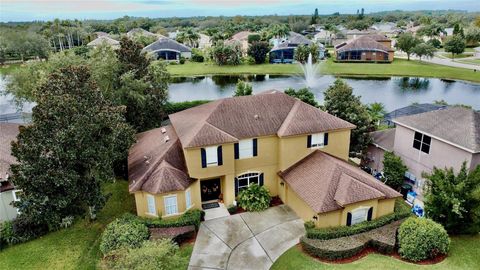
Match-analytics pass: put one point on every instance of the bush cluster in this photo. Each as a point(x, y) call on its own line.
point(173, 107)
point(159, 254)
point(191, 217)
point(421, 239)
point(401, 211)
point(232, 209)
point(254, 198)
point(198, 58)
point(124, 232)
point(382, 239)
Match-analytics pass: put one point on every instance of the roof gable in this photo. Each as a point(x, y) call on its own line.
point(349, 190)
point(455, 125)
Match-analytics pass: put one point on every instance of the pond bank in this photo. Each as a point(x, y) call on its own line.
point(400, 67)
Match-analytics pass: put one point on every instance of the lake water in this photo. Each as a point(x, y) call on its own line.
point(393, 92)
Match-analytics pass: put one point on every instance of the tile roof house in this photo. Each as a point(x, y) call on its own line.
point(211, 152)
point(168, 49)
point(241, 39)
point(284, 49)
point(441, 138)
point(369, 48)
point(8, 193)
point(104, 39)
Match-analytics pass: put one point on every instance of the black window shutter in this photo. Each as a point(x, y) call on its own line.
point(255, 147)
point(236, 186)
point(219, 156)
point(349, 219)
point(204, 157)
point(370, 213)
point(309, 141)
point(235, 147)
point(325, 139)
point(260, 180)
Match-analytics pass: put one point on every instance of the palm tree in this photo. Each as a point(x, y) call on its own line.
point(376, 111)
point(189, 37)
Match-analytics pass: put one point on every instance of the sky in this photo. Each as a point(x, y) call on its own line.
point(29, 10)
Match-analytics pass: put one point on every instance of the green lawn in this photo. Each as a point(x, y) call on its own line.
point(462, 55)
point(6, 69)
point(72, 248)
point(399, 67)
point(469, 61)
point(463, 255)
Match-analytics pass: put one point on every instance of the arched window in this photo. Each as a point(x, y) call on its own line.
point(246, 179)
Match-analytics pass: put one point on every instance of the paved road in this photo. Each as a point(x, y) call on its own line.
point(246, 241)
point(441, 61)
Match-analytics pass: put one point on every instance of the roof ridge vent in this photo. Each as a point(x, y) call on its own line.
point(256, 116)
point(163, 130)
point(166, 138)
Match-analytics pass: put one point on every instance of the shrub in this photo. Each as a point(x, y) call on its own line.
point(124, 232)
point(243, 89)
point(182, 60)
point(421, 239)
point(382, 239)
point(232, 209)
point(435, 43)
point(258, 51)
point(401, 211)
point(198, 58)
point(7, 236)
point(254, 198)
point(394, 170)
point(226, 54)
point(191, 217)
point(24, 228)
point(173, 107)
point(160, 254)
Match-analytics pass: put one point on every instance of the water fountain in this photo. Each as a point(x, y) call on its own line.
point(310, 72)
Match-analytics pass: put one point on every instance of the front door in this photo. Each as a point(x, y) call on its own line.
point(210, 189)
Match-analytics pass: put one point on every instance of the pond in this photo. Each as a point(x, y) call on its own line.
point(393, 92)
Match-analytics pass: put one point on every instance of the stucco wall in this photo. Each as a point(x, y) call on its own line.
point(441, 154)
point(338, 217)
point(7, 211)
point(141, 203)
point(475, 161)
point(376, 155)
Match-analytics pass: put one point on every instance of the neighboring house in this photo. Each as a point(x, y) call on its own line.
point(169, 49)
point(410, 110)
point(8, 193)
point(104, 40)
point(389, 29)
point(440, 138)
point(324, 36)
point(240, 39)
point(284, 50)
point(211, 152)
point(142, 32)
point(204, 41)
point(370, 48)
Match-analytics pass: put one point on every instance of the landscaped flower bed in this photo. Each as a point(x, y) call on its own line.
point(382, 239)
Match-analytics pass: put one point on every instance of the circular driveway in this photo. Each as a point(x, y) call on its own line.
point(251, 240)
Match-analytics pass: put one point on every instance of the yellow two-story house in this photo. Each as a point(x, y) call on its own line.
point(211, 152)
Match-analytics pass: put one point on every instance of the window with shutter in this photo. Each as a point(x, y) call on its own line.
point(318, 140)
point(211, 155)
point(151, 208)
point(359, 215)
point(245, 148)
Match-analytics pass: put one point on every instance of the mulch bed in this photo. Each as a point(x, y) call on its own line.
point(177, 234)
point(275, 201)
point(369, 250)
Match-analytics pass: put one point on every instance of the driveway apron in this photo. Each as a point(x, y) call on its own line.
point(251, 240)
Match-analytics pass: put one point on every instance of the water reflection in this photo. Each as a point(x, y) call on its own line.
point(394, 92)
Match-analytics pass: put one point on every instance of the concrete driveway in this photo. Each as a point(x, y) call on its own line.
point(251, 240)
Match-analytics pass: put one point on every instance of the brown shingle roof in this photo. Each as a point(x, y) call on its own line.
point(268, 113)
point(384, 138)
point(327, 183)
point(104, 39)
point(363, 43)
point(457, 125)
point(155, 165)
point(243, 35)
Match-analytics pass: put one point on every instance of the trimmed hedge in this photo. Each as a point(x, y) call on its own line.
point(124, 232)
point(191, 217)
point(421, 239)
point(401, 211)
point(173, 107)
point(382, 239)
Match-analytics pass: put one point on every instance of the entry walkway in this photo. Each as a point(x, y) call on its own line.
point(251, 240)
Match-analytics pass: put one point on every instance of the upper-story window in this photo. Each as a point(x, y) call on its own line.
point(211, 156)
point(246, 148)
point(317, 140)
point(422, 142)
